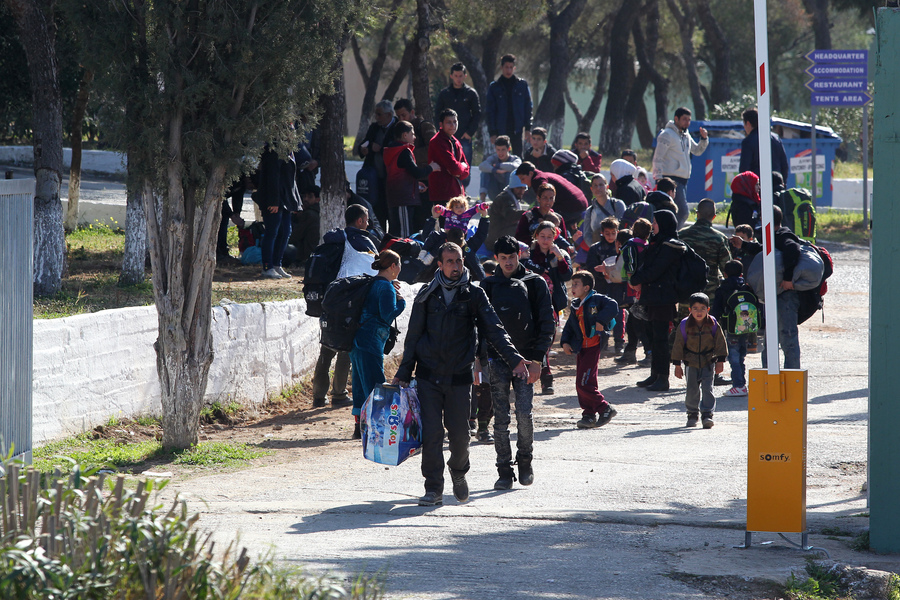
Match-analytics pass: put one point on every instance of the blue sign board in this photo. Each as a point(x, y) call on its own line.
point(838, 70)
point(838, 56)
point(837, 85)
point(840, 98)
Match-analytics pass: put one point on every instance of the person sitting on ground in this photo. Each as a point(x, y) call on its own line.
point(497, 168)
point(700, 344)
point(628, 190)
point(570, 200)
point(541, 151)
point(457, 213)
point(588, 159)
point(602, 207)
point(528, 223)
point(585, 334)
point(505, 211)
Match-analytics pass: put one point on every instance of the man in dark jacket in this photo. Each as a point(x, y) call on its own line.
point(508, 106)
point(464, 100)
point(522, 301)
point(655, 281)
point(541, 152)
point(370, 180)
point(440, 347)
point(570, 201)
point(277, 196)
point(750, 147)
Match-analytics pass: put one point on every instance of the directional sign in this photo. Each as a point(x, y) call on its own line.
point(837, 85)
point(840, 98)
point(838, 70)
point(838, 56)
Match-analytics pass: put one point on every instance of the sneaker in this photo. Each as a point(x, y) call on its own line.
point(707, 421)
point(692, 420)
point(318, 402)
point(736, 391)
point(473, 429)
point(606, 415)
point(271, 274)
point(587, 422)
point(484, 436)
point(719, 381)
point(431, 499)
point(547, 390)
point(282, 272)
point(460, 489)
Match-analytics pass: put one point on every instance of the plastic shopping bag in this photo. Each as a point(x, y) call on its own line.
point(391, 425)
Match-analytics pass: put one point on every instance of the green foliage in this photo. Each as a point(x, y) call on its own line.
point(822, 583)
point(861, 542)
point(66, 538)
point(206, 454)
point(95, 454)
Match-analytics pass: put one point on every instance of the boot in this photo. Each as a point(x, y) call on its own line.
point(660, 385)
point(357, 434)
point(505, 482)
point(547, 385)
point(526, 474)
point(649, 381)
point(629, 357)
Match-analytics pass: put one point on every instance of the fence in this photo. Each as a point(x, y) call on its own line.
point(16, 252)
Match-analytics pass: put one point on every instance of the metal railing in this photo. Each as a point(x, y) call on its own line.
point(16, 315)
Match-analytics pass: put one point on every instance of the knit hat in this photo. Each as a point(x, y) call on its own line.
point(565, 157)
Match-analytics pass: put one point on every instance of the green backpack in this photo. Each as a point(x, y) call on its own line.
point(799, 213)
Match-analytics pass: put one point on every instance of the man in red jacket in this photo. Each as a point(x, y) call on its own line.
point(570, 201)
point(446, 151)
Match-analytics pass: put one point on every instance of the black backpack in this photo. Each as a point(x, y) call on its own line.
point(342, 309)
point(637, 210)
point(692, 275)
point(506, 296)
point(322, 268)
point(743, 312)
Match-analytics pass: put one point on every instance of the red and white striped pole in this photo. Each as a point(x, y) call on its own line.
point(708, 180)
point(765, 180)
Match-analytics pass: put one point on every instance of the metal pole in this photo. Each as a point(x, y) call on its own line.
point(865, 157)
point(812, 138)
point(765, 180)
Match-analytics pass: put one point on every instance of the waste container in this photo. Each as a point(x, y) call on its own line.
point(712, 171)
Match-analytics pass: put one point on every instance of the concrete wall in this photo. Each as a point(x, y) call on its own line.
point(99, 162)
point(848, 193)
point(89, 368)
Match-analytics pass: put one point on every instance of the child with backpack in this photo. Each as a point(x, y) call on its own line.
point(585, 334)
point(700, 345)
point(630, 257)
point(739, 311)
point(606, 248)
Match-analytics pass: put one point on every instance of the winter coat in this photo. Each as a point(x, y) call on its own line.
point(446, 183)
point(750, 154)
point(496, 107)
point(660, 262)
point(598, 310)
point(673, 152)
point(555, 272)
point(505, 212)
point(590, 234)
point(542, 162)
point(467, 105)
point(523, 304)
point(403, 175)
point(702, 346)
point(532, 218)
point(360, 240)
point(570, 200)
point(276, 183)
point(376, 134)
point(629, 191)
point(379, 311)
point(441, 338)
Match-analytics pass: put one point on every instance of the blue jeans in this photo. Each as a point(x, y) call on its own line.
point(737, 351)
point(788, 335)
point(467, 150)
point(501, 377)
point(681, 201)
point(699, 395)
point(367, 372)
point(275, 240)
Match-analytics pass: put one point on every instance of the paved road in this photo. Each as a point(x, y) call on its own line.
point(612, 513)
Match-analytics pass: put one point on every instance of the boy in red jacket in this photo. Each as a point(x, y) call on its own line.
point(446, 151)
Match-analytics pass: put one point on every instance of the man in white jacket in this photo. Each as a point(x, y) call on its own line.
point(672, 158)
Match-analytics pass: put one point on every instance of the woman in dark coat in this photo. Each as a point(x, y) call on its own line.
point(277, 196)
point(627, 189)
point(655, 281)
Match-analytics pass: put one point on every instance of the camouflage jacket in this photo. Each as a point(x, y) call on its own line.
point(712, 246)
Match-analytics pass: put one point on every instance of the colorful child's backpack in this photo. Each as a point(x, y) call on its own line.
point(743, 312)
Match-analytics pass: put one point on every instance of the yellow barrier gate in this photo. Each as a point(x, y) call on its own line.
point(776, 460)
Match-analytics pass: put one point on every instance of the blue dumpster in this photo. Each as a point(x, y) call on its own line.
point(712, 171)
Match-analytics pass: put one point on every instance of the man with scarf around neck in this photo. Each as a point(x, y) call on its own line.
point(655, 282)
point(440, 347)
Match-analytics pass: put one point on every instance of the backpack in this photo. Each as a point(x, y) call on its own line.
point(692, 275)
point(506, 296)
point(637, 210)
point(322, 268)
point(342, 308)
point(683, 329)
point(581, 179)
point(799, 212)
point(811, 300)
point(743, 312)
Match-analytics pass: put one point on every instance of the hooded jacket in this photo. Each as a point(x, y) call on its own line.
point(523, 304)
point(598, 310)
point(660, 261)
point(673, 152)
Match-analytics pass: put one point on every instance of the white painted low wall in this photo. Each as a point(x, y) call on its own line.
point(89, 368)
point(101, 162)
point(848, 193)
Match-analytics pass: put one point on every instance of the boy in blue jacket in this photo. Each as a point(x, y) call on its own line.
point(586, 333)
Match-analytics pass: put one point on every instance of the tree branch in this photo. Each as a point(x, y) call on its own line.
point(360, 63)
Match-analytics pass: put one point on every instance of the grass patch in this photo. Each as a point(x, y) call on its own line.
point(92, 453)
point(861, 542)
point(206, 454)
point(850, 170)
point(845, 227)
point(820, 584)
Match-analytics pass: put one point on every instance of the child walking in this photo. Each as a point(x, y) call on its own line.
point(586, 333)
point(700, 344)
point(738, 309)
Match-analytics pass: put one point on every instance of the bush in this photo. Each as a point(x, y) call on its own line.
point(65, 539)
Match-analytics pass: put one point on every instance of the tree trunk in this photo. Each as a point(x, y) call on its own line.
point(645, 48)
point(621, 77)
point(403, 70)
point(84, 92)
point(551, 112)
point(34, 20)
point(818, 9)
point(134, 259)
point(720, 54)
point(374, 74)
point(685, 19)
point(331, 154)
point(586, 119)
point(429, 20)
